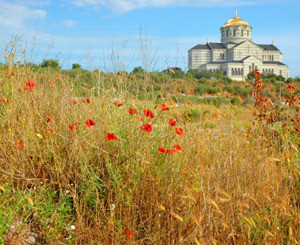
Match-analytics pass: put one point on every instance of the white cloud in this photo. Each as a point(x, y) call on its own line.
point(14, 14)
point(123, 6)
point(68, 23)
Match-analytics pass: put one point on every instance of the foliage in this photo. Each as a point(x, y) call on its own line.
point(50, 63)
point(128, 159)
point(76, 66)
point(138, 69)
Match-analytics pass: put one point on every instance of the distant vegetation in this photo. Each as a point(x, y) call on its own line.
point(170, 157)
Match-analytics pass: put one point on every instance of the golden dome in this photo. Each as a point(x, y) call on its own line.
point(236, 21)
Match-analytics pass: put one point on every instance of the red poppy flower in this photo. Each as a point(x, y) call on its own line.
point(76, 123)
point(22, 144)
point(147, 127)
point(74, 102)
point(89, 123)
point(50, 131)
point(48, 119)
point(51, 81)
point(110, 136)
point(5, 101)
point(117, 104)
point(10, 73)
point(172, 122)
point(161, 149)
point(72, 127)
point(148, 113)
point(163, 107)
point(128, 233)
point(177, 148)
point(179, 131)
point(133, 111)
point(30, 84)
point(87, 100)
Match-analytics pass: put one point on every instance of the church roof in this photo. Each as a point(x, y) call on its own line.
point(236, 21)
point(216, 45)
point(210, 46)
point(268, 47)
point(274, 62)
point(201, 46)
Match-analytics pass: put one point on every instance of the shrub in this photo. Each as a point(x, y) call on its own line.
point(138, 69)
point(204, 89)
point(235, 100)
point(50, 63)
point(76, 66)
point(226, 80)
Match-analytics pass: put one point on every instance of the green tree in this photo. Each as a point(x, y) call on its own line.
point(76, 66)
point(50, 63)
point(138, 69)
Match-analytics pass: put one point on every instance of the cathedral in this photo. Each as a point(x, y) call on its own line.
point(236, 55)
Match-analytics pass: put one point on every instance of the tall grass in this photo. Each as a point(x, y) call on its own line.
point(227, 185)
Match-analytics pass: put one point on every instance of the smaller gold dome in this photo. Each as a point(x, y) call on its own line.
point(236, 21)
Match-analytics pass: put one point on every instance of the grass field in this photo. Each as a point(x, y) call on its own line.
point(220, 177)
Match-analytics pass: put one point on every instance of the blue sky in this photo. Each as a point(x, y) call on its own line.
point(107, 33)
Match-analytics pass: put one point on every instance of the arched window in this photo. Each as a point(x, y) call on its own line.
point(242, 32)
point(234, 32)
point(226, 33)
point(248, 33)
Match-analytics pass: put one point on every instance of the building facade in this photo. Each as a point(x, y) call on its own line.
point(236, 56)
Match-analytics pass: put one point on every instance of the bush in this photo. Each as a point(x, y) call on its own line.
point(193, 115)
point(50, 63)
point(235, 100)
point(226, 80)
point(204, 89)
point(280, 78)
point(138, 69)
point(238, 90)
point(206, 74)
point(194, 73)
point(76, 66)
point(202, 80)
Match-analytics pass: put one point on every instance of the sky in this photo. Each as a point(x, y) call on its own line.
point(122, 34)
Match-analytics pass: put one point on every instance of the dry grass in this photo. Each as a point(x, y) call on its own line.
point(229, 185)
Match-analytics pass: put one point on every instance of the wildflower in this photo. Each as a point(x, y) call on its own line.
point(148, 113)
point(133, 111)
point(177, 148)
point(87, 100)
point(172, 122)
point(117, 104)
point(72, 227)
point(77, 123)
point(89, 123)
point(5, 101)
point(50, 131)
point(74, 102)
point(163, 107)
point(179, 131)
point(51, 81)
point(72, 127)
point(147, 127)
point(30, 84)
point(48, 119)
point(10, 73)
point(110, 136)
point(22, 144)
point(161, 149)
point(128, 233)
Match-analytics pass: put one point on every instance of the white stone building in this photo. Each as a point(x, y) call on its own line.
point(237, 55)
